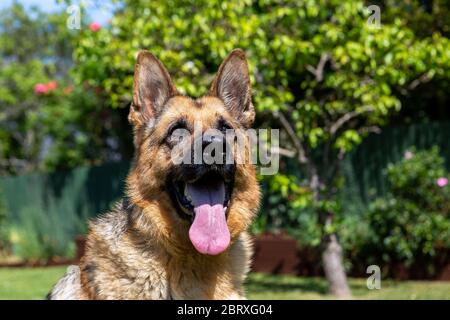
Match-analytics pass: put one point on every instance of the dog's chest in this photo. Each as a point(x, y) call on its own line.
point(146, 280)
point(150, 287)
point(195, 282)
point(155, 284)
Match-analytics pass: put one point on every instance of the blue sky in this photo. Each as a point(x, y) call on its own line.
point(99, 12)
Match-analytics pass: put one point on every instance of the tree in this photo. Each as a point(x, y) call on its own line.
point(35, 55)
point(327, 76)
point(46, 122)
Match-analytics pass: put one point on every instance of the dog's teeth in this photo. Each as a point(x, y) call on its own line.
point(186, 194)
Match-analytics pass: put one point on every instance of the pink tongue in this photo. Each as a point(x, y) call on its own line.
point(209, 232)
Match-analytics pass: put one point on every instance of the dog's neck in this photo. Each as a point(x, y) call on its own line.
point(127, 205)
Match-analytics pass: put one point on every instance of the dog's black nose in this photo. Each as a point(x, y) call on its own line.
point(208, 139)
point(217, 147)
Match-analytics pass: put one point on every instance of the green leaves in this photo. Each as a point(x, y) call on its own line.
point(334, 77)
point(285, 45)
point(348, 139)
point(316, 61)
point(413, 221)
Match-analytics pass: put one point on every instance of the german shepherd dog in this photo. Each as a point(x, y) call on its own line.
point(181, 230)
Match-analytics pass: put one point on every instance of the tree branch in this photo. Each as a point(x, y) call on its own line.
point(371, 129)
point(424, 78)
point(293, 136)
point(284, 152)
point(318, 71)
point(347, 117)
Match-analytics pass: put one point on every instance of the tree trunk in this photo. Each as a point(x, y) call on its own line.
point(334, 267)
point(332, 251)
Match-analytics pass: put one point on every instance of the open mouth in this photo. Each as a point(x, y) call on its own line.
point(205, 201)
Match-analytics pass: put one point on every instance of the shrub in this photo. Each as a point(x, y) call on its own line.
point(3, 232)
point(412, 223)
point(286, 204)
point(40, 234)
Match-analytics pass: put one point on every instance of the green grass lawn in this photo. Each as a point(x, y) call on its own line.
point(261, 286)
point(34, 283)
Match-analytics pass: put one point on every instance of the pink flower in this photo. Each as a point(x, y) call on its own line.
point(442, 182)
point(40, 88)
point(52, 85)
point(408, 155)
point(95, 26)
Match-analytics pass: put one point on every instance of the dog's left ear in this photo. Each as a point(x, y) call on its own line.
point(232, 86)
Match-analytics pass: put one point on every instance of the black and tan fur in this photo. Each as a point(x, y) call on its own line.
point(141, 249)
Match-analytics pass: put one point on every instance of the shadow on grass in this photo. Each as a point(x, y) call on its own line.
point(261, 283)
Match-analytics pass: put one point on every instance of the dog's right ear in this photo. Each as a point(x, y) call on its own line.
point(152, 88)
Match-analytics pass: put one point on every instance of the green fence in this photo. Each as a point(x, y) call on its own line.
point(46, 211)
point(364, 169)
point(52, 208)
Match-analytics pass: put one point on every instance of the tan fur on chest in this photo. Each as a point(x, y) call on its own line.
point(220, 277)
point(119, 264)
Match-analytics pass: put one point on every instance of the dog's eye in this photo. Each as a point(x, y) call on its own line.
point(175, 126)
point(176, 132)
point(224, 126)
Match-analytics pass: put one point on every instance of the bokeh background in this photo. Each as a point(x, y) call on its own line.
point(362, 104)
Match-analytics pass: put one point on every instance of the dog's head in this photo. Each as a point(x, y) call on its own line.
point(192, 174)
